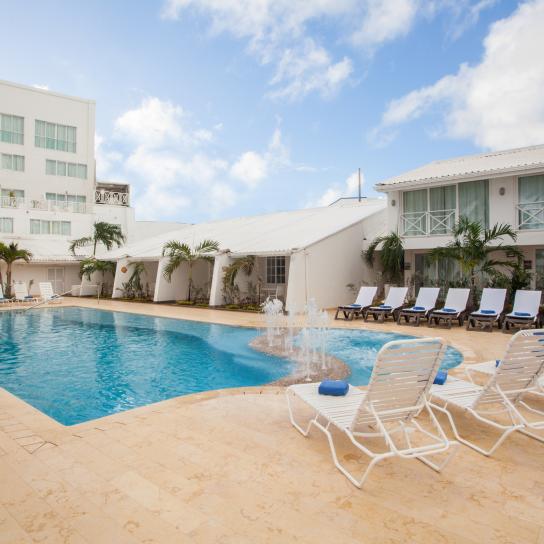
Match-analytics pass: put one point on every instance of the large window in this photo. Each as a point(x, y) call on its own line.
point(53, 136)
point(69, 169)
point(40, 226)
point(429, 211)
point(531, 202)
point(6, 225)
point(12, 129)
point(63, 201)
point(12, 162)
point(12, 198)
point(275, 269)
point(474, 201)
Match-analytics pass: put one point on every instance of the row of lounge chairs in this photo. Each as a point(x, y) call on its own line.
point(21, 296)
point(491, 311)
point(402, 388)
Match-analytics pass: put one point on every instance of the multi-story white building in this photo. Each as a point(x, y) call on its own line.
point(49, 194)
point(502, 187)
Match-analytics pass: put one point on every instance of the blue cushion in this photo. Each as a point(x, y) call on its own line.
point(384, 306)
point(497, 362)
point(449, 310)
point(353, 306)
point(418, 308)
point(336, 388)
point(487, 312)
point(441, 377)
point(522, 314)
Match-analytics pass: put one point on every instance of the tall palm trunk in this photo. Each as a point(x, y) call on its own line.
point(189, 280)
point(8, 279)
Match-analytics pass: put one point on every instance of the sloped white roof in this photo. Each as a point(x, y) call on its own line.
point(45, 249)
point(273, 233)
point(499, 163)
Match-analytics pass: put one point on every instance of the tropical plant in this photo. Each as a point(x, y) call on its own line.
point(178, 253)
point(91, 265)
point(10, 253)
point(474, 248)
point(519, 279)
point(104, 233)
point(391, 256)
point(133, 287)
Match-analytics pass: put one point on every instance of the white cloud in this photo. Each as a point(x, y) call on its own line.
point(251, 168)
point(496, 103)
point(350, 187)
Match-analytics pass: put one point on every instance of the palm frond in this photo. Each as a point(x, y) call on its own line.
point(80, 242)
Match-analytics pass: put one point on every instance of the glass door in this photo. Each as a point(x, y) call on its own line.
point(56, 277)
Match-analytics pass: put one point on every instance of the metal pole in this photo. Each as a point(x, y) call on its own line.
point(359, 185)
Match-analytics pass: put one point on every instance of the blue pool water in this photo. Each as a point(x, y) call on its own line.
point(358, 349)
point(77, 364)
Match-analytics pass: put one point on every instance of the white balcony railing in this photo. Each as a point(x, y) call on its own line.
point(531, 215)
point(113, 198)
point(43, 205)
point(432, 223)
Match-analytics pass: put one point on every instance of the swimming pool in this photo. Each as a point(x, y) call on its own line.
point(78, 364)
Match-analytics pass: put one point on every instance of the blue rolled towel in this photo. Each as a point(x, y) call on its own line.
point(449, 310)
point(384, 306)
point(418, 308)
point(441, 377)
point(497, 362)
point(336, 388)
point(354, 306)
point(522, 314)
point(488, 312)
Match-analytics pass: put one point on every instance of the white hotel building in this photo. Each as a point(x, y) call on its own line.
point(49, 194)
point(500, 187)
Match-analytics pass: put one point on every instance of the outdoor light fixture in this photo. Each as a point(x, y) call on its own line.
point(502, 190)
point(393, 202)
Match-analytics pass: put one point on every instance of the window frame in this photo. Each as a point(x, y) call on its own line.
point(276, 269)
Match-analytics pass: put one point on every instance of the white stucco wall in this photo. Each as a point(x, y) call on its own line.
point(39, 272)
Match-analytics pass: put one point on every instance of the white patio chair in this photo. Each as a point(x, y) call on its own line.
point(505, 393)
point(396, 395)
point(490, 310)
point(525, 311)
point(364, 300)
point(455, 307)
point(47, 293)
point(21, 293)
point(394, 300)
point(425, 304)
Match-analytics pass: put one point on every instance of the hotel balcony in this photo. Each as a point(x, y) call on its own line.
point(112, 194)
point(433, 223)
point(43, 205)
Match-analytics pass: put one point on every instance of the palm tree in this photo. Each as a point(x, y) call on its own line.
point(243, 264)
point(473, 247)
point(91, 265)
point(104, 233)
point(179, 253)
point(9, 254)
point(391, 256)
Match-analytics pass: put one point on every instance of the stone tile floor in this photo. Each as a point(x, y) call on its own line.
point(227, 467)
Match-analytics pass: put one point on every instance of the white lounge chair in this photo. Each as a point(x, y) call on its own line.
point(364, 300)
point(47, 293)
point(505, 393)
point(425, 304)
point(455, 307)
point(394, 300)
point(3, 299)
point(525, 311)
point(21, 293)
point(490, 310)
point(396, 395)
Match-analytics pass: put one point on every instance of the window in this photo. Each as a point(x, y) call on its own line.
point(437, 273)
point(12, 198)
point(12, 129)
point(275, 269)
point(6, 225)
point(531, 202)
point(13, 162)
point(61, 228)
point(474, 201)
point(75, 203)
point(53, 136)
point(442, 207)
point(415, 205)
point(61, 168)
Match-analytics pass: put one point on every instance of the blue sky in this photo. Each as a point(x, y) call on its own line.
point(218, 108)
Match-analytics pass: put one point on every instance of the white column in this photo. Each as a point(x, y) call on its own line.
point(176, 289)
point(122, 273)
point(216, 290)
point(296, 297)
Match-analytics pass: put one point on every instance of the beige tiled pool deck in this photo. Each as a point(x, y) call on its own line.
point(227, 467)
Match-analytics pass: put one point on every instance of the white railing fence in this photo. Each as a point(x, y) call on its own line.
point(531, 215)
point(113, 198)
point(431, 223)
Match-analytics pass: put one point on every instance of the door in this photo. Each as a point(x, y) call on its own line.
point(56, 277)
